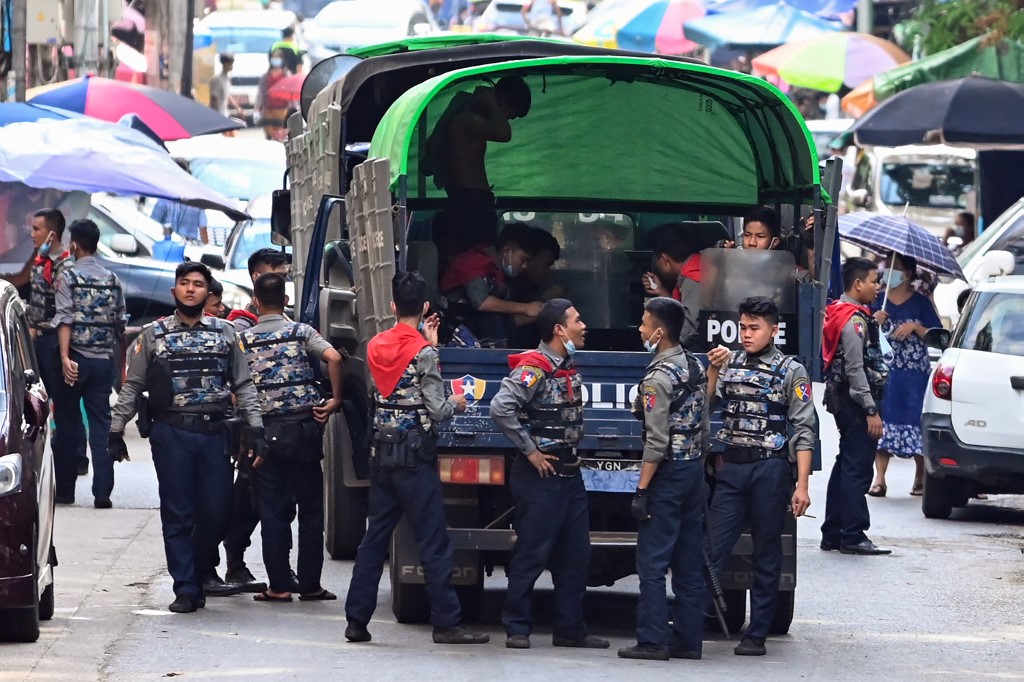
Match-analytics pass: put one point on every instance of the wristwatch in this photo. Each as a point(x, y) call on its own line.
point(872, 411)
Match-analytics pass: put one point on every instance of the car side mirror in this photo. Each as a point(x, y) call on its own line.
point(214, 261)
point(859, 197)
point(937, 338)
point(124, 244)
point(281, 214)
point(995, 264)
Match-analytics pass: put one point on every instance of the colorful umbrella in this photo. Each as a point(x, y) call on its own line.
point(757, 29)
point(23, 112)
point(884, 234)
point(289, 87)
point(647, 26)
point(832, 61)
point(171, 116)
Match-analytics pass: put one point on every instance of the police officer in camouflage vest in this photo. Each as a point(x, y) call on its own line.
point(765, 397)
point(281, 354)
point(190, 364)
point(671, 495)
point(539, 407)
point(408, 400)
point(89, 320)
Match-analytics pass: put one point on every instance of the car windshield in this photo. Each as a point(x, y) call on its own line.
point(929, 185)
point(350, 14)
point(253, 237)
point(994, 324)
point(242, 40)
point(238, 178)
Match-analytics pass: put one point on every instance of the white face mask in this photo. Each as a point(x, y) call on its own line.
point(651, 345)
point(276, 62)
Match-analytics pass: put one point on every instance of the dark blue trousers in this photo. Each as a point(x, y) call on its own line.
point(673, 539)
point(846, 507)
point(193, 473)
point(281, 485)
point(416, 493)
point(47, 349)
point(95, 382)
point(754, 496)
point(552, 531)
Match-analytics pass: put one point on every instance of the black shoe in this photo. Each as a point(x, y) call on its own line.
point(185, 605)
point(459, 635)
point(750, 646)
point(83, 467)
point(357, 633)
point(679, 652)
point(215, 587)
point(64, 499)
point(295, 582)
point(866, 548)
point(588, 642)
point(646, 652)
point(517, 642)
point(102, 503)
point(827, 546)
point(245, 580)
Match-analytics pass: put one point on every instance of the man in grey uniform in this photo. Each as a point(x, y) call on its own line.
point(190, 364)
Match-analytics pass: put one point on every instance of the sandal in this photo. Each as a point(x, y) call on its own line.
point(917, 490)
point(322, 595)
point(267, 597)
point(877, 490)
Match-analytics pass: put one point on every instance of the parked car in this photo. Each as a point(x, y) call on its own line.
point(27, 555)
point(507, 15)
point(824, 131)
point(345, 24)
point(304, 9)
point(972, 418)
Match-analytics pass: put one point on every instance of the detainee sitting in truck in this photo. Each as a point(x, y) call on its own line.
point(675, 260)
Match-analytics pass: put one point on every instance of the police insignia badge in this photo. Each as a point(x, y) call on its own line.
point(650, 398)
point(469, 386)
point(529, 376)
point(858, 328)
point(803, 392)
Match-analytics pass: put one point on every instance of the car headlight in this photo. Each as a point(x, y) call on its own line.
point(10, 474)
point(235, 297)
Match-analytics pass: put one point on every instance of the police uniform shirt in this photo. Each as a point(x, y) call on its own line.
point(476, 291)
point(40, 289)
point(800, 414)
point(316, 345)
point(516, 391)
point(655, 398)
point(853, 341)
point(87, 266)
point(439, 407)
point(142, 354)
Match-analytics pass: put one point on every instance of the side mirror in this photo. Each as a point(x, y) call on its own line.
point(214, 261)
point(859, 197)
point(124, 244)
point(994, 264)
point(281, 214)
point(937, 338)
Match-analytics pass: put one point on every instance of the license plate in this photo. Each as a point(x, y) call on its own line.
point(610, 475)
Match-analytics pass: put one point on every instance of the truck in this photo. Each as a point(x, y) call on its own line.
point(614, 140)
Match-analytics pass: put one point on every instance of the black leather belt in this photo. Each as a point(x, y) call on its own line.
point(196, 422)
point(735, 455)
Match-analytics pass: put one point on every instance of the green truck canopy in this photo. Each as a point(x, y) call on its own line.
point(617, 129)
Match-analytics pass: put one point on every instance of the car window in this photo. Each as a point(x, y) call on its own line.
point(250, 238)
point(238, 178)
point(240, 40)
point(109, 229)
point(995, 324)
point(21, 357)
point(930, 185)
point(996, 233)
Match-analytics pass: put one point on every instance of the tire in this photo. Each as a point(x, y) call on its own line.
point(344, 507)
point(735, 610)
point(46, 601)
point(783, 617)
point(22, 625)
point(938, 497)
point(409, 601)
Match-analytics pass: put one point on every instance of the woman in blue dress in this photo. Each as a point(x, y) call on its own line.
point(905, 318)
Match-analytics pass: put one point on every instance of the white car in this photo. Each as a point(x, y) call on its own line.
point(507, 15)
point(346, 24)
point(972, 419)
point(824, 131)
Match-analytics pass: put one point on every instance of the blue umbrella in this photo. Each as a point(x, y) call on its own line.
point(884, 234)
point(758, 29)
point(23, 112)
point(827, 9)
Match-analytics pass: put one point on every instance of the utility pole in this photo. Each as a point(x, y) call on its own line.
point(186, 66)
point(175, 41)
point(866, 16)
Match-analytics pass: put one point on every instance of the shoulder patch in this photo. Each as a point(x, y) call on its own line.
point(138, 345)
point(528, 376)
point(858, 328)
point(802, 391)
point(650, 398)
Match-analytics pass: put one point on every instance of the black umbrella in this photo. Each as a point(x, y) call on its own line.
point(972, 112)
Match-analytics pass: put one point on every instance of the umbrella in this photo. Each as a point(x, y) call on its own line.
point(647, 26)
point(289, 87)
point(830, 62)
point(171, 116)
point(826, 9)
point(94, 156)
point(757, 29)
point(974, 111)
point(22, 112)
point(883, 234)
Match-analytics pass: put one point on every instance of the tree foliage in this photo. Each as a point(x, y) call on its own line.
point(942, 24)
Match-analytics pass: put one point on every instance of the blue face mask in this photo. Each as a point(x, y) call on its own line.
point(570, 348)
point(651, 346)
point(44, 250)
point(895, 279)
point(420, 326)
point(507, 267)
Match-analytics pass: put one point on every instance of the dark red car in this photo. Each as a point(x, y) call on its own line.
point(27, 556)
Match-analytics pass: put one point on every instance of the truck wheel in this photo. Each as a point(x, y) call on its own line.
point(409, 601)
point(735, 609)
point(783, 617)
point(345, 508)
point(937, 500)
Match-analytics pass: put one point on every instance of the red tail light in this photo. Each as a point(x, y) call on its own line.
point(472, 469)
point(942, 382)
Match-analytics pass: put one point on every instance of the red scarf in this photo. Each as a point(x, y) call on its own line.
point(690, 270)
point(46, 263)
point(837, 314)
point(240, 312)
point(534, 358)
point(389, 353)
point(469, 265)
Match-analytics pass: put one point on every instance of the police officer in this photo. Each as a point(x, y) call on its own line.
point(280, 354)
point(408, 401)
point(539, 407)
point(855, 377)
point(190, 364)
point(671, 495)
point(765, 397)
point(90, 317)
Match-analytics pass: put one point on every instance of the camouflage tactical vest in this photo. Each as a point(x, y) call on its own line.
point(281, 369)
point(876, 369)
point(755, 405)
point(196, 360)
point(404, 408)
point(554, 418)
point(94, 302)
point(686, 407)
point(42, 303)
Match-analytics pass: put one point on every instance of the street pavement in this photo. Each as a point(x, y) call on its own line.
point(945, 605)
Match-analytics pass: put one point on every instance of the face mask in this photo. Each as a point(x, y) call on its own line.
point(570, 347)
point(420, 326)
point(507, 267)
point(895, 279)
point(189, 310)
point(276, 62)
point(651, 345)
point(44, 250)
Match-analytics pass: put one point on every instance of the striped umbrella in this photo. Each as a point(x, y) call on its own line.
point(645, 26)
point(884, 234)
point(831, 61)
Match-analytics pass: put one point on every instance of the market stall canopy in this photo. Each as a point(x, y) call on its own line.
point(603, 130)
point(827, 9)
point(758, 29)
point(87, 155)
point(646, 26)
point(23, 112)
point(832, 61)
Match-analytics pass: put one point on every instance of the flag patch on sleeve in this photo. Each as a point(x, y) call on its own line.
point(803, 392)
point(529, 376)
point(650, 398)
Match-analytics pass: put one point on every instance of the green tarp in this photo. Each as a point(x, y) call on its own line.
point(620, 129)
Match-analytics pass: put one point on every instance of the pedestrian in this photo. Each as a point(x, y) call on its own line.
point(190, 364)
point(289, 49)
point(768, 430)
point(260, 263)
point(539, 407)
point(855, 377)
point(188, 222)
point(271, 109)
point(281, 354)
point(221, 100)
point(904, 317)
point(215, 300)
point(408, 398)
point(671, 496)
point(90, 318)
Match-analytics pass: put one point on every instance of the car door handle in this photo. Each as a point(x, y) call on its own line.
point(1017, 383)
